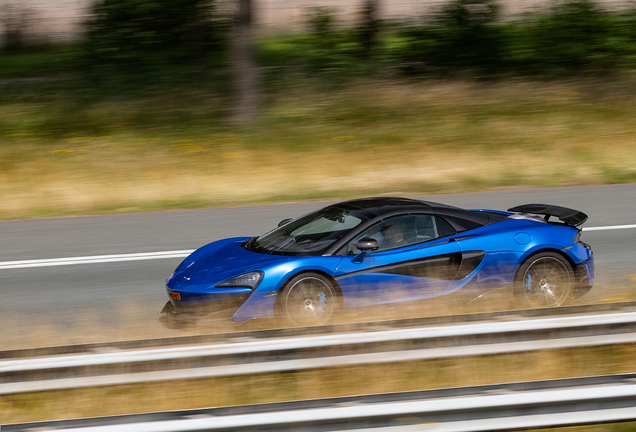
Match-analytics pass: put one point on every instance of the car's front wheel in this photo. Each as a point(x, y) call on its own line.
point(545, 280)
point(308, 299)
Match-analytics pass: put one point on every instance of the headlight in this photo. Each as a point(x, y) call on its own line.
point(246, 280)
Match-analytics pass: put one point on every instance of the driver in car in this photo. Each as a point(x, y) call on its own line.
point(393, 236)
point(389, 235)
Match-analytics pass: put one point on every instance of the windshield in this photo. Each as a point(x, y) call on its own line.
point(311, 234)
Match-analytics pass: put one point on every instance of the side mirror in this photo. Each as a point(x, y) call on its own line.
point(284, 222)
point(367, 244)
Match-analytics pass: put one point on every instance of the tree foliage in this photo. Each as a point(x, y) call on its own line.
point(141, 36)
point(463, 33)
point(574, 35)
point(570, 37)
point(14, 23)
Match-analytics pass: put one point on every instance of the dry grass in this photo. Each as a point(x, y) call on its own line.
point(89, 324)
point(133, 320)
point(340, 381)
point(616, 427)
point(372, 137)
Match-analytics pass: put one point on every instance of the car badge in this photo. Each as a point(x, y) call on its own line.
point(186, 278)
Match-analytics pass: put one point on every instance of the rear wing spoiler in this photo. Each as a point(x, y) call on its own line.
point(566, 215)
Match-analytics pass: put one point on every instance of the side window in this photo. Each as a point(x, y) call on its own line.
point(398, 232)
point(462, 224)
point(444, 229)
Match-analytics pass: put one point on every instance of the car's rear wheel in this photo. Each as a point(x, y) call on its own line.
point(308, 299)
point(545, 280)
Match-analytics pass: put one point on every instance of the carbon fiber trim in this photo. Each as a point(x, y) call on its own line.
point(453, 266)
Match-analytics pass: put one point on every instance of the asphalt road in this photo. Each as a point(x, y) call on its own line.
point(133, 291)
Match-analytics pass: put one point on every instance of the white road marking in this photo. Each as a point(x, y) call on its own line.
point(605, 228)
point(100, 259)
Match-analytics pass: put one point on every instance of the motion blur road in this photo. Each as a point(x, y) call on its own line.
point(110, 292)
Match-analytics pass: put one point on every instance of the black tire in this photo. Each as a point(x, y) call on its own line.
point(308, 299)
point(545, 280)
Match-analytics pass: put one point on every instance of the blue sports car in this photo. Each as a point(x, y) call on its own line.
point(376, 251)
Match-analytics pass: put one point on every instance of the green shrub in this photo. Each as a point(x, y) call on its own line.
point(145, 38)
point(326, 48)
point(576, 34)
point(572, 37)
point(462, 34)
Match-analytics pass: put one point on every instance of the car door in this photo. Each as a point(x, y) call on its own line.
point(419, 263)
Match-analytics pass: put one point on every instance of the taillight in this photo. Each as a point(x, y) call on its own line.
point(577, 239)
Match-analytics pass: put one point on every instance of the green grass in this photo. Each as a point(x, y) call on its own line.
point(46, 63)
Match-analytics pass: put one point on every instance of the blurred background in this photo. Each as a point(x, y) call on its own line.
point(133, 105)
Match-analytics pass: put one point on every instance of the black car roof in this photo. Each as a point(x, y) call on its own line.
point(382, 205)
point(390, 206)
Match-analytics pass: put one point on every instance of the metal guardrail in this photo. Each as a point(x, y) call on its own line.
point(314, 351)
point(538, 404)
